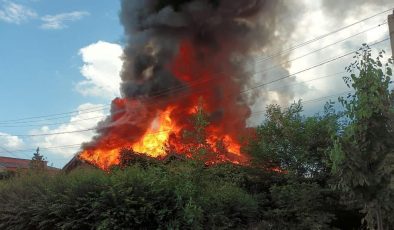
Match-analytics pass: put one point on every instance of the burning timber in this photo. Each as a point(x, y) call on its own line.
point(128, 157)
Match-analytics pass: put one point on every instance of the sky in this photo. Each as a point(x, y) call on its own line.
point(60, 64)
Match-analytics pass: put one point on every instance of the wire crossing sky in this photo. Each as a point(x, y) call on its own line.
point(61, 62)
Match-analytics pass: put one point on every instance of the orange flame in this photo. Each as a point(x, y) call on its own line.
point(155, 138)
point(155, 129)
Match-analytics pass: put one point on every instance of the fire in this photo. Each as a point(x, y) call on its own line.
point(159, 127)
point(155, 138)
point(151, 143)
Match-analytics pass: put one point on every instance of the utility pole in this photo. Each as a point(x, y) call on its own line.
point(391, 29)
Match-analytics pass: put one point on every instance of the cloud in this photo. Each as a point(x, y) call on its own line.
point(325, 80)
point(318, 21)
point(58, 21)
point(15, 13)
point(87, 117)
point(102, 66)
point(10, 142)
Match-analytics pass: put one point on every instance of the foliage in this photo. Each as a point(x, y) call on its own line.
point(195, 138)
point(130, 157)
point(361, 154)
point(7, 175)
point(151, 198)
point(287, 185)
point(298, 147)
point(38, 162)
point(298, 205)
point(196, 141)
point(295, 144)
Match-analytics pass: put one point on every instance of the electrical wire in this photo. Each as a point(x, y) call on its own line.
point(154, 133)
point(324, 35)
point(265, 58)
point(244, 91)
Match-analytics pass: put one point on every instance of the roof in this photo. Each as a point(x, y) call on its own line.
point(11, 163)
point(75, 163)
point(16, 163)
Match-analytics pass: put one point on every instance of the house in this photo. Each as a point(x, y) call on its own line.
point(76, 163)
point(14, 164)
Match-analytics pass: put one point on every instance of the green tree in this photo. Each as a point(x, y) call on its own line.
point(293, 143)
point(38, 162)
point(360, 153)
point(195, 137)
point(296, 146)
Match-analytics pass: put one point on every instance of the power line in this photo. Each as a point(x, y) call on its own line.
point(323, 36)
point(166, 92)
point(294, 47)
point(315, 39)
point(51, 134)
point(324, 47)
point(92, 118)
point(307, 69)
point(48, 148)
point(12, 153)
point(50, 124)
point(91, 129)
point(7, 151)
point(154, 133)
point(308, 101)
point(25, 120)
point(266, 58)
point(244, 91)
point(185, 87)
point(90, 110)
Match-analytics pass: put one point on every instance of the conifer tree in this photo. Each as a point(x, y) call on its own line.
point(38, 162)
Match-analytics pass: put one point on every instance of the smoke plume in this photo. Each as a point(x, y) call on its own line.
point(179, 51)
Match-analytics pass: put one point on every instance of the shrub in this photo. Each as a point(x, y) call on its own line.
point(177, 196)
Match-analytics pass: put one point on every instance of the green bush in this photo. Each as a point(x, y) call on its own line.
point(177, 196)
point(7, 175)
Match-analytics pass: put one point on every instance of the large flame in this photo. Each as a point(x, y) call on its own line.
point(153, 141)
point(157, 127)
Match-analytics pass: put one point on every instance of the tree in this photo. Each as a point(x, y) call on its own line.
point(299, 196)
point(293, 143)
point(38, 162)
point(195, 137)
point(360, 154)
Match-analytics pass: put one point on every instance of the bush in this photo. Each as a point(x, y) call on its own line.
point(177, 196)
point(7, 175)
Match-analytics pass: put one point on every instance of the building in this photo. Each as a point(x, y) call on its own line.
point(14, 164)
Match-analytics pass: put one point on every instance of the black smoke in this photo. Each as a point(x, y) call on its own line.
point(154, 29)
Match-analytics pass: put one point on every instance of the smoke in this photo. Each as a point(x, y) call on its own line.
point(155, 29)
point(344, 8)
point(178, 51)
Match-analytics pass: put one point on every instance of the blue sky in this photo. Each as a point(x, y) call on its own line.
point(61, 56)
point(40, 65)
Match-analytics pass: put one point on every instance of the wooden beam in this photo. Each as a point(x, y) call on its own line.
point(391, 29)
